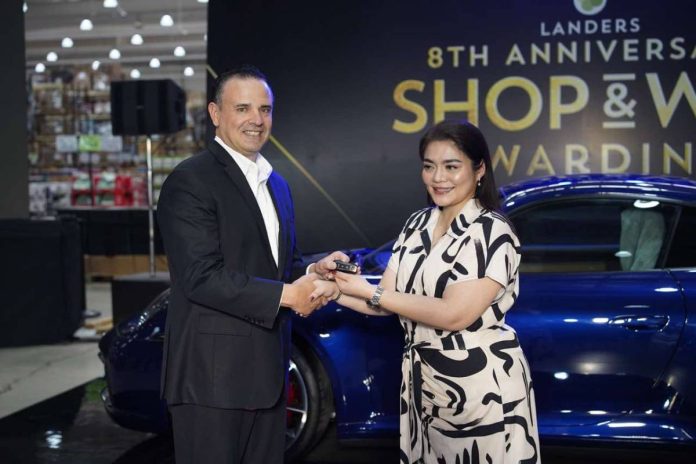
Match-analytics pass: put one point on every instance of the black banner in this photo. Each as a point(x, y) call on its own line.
point(557, 86)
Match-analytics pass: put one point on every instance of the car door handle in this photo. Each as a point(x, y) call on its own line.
point(635, 323)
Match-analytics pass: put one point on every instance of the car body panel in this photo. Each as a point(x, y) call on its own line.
point(585, 368)
point(611, 352)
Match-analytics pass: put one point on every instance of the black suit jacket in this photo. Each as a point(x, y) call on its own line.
point(226, 342)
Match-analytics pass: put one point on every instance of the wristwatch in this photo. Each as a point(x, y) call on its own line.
point(373, 303)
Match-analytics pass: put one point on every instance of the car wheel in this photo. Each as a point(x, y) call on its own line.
point(309, 404)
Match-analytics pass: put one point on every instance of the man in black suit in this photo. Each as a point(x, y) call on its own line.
point(227, 222)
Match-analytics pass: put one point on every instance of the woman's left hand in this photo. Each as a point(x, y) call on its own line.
point(354, 285)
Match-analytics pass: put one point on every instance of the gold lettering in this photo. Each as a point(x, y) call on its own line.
point(609, 148)
point(509, 162)
point(404, 103)
point(435, 57)
point(669, 154)
point(455, 50)
point(646, 158)
point(665, 109)
point(536, 102)
point(557, 108)
point(441, 107)
point(540, 162)
point(575, 164)
point(515, 56)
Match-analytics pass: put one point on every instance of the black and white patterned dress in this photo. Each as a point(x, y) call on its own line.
point(466, 396)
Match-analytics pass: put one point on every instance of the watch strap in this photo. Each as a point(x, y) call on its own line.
point(373, 302)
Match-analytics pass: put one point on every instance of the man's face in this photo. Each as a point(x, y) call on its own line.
point(244, 119)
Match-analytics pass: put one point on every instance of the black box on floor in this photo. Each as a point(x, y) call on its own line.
point(133, 292)
point(42, 282)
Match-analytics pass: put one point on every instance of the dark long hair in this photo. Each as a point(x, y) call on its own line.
point(470, 141)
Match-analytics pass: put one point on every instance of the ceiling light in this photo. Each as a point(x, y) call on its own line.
point(110, 3)
point(114, 54)
point(154, 63)
point(179, 51)
point(25, 7)
point(135, 74)
point(205, 37)
point(95, 65)
point(202, 1)
point(86, 25)
point(166, 21)
point(40, 67)
point(188, 71)
point(136, 39)
point(51, 56)
point(67, 42)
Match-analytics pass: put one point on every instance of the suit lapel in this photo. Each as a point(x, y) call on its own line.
point(280, 202)
point(240, 182)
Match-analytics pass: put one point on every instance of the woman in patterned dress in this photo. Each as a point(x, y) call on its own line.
point(466, 392)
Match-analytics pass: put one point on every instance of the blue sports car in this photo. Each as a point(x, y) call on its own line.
point(606, 316)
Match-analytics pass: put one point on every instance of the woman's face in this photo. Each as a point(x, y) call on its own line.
point(448, 174)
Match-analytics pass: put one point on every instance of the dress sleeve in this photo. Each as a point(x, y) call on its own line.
point(393, 263)
point(415, 221)
point(490, 250)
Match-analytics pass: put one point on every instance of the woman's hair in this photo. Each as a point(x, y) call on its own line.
point(470, 141)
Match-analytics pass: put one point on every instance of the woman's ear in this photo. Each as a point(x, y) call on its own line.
point(480, 172)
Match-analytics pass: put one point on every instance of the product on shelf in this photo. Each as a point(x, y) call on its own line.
point(70, 136)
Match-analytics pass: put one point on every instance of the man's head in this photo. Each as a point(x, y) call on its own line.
point(242, 111)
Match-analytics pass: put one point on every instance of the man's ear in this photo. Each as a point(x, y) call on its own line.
point(214, 113)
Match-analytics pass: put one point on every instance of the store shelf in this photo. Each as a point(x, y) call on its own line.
point(79, 105)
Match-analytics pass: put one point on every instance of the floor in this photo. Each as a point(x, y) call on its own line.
point(32, 374)
point(51, 412)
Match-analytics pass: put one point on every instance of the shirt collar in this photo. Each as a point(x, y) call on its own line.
point(262, 169)
point(467, 215)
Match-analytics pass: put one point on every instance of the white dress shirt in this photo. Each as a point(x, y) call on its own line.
point(257, 174)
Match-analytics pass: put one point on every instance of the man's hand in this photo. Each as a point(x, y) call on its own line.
point(298, 296)
point(326, 267)
point(326, 290)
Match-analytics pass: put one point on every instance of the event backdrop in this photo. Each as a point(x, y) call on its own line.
point(557, 86)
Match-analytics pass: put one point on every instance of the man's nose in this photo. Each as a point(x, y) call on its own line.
point(256, 117)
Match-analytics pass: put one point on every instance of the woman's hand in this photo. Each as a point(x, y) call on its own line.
point(354, 285)
point(326, 268)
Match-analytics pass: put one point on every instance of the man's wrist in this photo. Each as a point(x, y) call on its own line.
point(288, 296)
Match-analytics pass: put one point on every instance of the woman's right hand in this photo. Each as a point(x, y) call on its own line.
point(354, 285)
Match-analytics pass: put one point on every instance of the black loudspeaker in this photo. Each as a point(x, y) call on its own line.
point(147, 107)
point(42, 284)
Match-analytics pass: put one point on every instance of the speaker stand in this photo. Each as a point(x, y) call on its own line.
point(150, 205)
